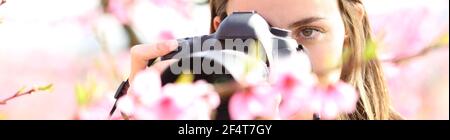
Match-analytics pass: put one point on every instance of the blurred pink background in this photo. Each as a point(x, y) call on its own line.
point(81, 47)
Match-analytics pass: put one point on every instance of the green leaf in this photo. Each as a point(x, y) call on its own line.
point(185, 78)
point(370, 52)
point(250, 65)
point(82, 95)
point(22, 90)
point(47, 88)
point(255, 53)
point(444, 39)
point(85, 91)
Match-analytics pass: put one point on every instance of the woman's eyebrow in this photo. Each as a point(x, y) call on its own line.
point(305, 21)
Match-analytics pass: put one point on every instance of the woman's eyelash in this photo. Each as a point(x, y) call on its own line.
point(312, 33)
point(311, 28)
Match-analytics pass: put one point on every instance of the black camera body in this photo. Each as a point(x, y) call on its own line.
point(241, 38)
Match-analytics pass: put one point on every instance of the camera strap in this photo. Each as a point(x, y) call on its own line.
point(123, 88)
point(121, 91)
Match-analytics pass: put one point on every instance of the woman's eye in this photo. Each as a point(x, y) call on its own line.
point(309, 34)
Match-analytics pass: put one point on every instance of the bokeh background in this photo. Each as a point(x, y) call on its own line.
point(81, 47)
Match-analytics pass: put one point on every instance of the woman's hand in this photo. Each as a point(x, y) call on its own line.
point(141, 54)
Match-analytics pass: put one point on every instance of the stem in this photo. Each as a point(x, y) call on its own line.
point(411, 57)
point(18, 94)
point(435, 45)
point(105, 50)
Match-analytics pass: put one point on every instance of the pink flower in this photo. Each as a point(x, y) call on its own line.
point(120, 9)
point(424, 77)
point(406, 32)
point(147, 87)
point(187, 101)
point(166, 35)
point(293, 79)
point(148, 101)
point(263, 100)
point(98, 110)
point(302, 93)
point(182, 6)
point(334, 99)
point(296, 93)
point(254, 102)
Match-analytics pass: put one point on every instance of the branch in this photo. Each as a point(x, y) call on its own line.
point(437, 44)
point(411, 57)
point(22, 93)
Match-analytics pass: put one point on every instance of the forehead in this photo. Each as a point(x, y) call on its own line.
point(281, 13)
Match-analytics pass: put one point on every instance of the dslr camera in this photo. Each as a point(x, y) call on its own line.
point(243, 45)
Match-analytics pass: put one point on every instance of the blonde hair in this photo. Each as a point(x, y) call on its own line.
point(365, 75)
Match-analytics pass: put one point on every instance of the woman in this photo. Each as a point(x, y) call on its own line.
point(330, 30)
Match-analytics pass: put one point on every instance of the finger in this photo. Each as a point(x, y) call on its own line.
point(141, 54)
